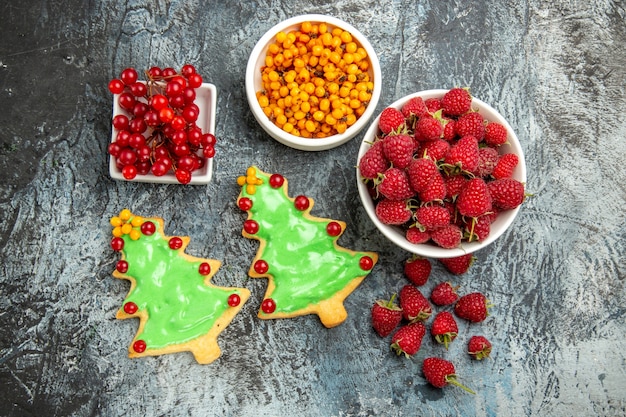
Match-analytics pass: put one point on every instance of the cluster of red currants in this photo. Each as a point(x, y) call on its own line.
point(157, 132)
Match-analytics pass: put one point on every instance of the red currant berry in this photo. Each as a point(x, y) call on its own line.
point(175, 243)
point(234, 300)
point(208, 139)
point(177, 102)
point(137, 141)
point(143, 167)
point(183, 176)
point(129, 172)
point(155, 73)
point(208, 152)
point(139, 346)
point(250, 227)
point(148, 228)
point(114, 149)
point(117, 244)
point(116, 86)
point(140, 109)
point(120, 122)
point(168, 72)
point(301, 203)
point(182, 81)
point(137, 125)
point(186, 162)
point(158, 102)
point(366, 263)
point(188, 70)
point(127, 101)
point(129, 76)
point(333, 229)
point(179, 122)
point(122, 138)
point(159, 169)
point(195, 80)
point(166, 115)
point(189, 94)
point(122, 266)
point(276, 180)
point(261, 267)
point(244, 203)
point(138, 89)
point(190, 114)
point(268, 306)
point(204, 268)
point(173, 89)
point(127, 157)
point(130, 308)
point(194, 136)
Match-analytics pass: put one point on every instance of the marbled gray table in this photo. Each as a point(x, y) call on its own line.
point(554, 69)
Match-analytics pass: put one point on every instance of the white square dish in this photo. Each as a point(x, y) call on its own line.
point(206, 100)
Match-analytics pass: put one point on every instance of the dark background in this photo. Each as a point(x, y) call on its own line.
point(555, 70)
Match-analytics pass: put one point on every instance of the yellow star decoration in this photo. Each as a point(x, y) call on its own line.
point(250, 180)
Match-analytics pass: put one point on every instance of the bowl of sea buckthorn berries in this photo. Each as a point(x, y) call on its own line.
point(313, 82)
point(441, 173)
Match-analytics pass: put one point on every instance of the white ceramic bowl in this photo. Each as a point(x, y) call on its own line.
point(429, 250)
point(254, 84)
point(206, 100)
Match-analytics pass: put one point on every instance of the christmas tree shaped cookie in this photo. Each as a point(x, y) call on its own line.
point(179, 309)
point(308, 272)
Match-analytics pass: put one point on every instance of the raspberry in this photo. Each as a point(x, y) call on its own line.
point(464, 154)
point(416, 236)
point(393, 212)
point(472, 124)
point(417, 270)
point(447, 237)
point(506, 193)
point(459, 264)
point(434, 149)
point(487, 160)
point(505, 166)
point(398, 150)
point(414, 107)
point(373, 161)
point(433, 104)
point(456, 101)
point(474, 200)
point(428, 128)
point(444, 294)
point(495, 134)
point(432, 217)
point(434, 191)
point(449, 130)
point(391, 120)
point(421, 171)
point(454, 185)
point(394, 184)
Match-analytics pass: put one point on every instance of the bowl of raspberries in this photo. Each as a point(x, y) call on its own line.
point(441, 173)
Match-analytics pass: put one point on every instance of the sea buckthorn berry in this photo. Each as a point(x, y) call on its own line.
point(268, 306)
point(125, 215)
point(366, 263)
point(130, 308)
point(245, 203)
point(261, 267)
point(139, 346)
point(301, 202)
point(148, 228)
point(175, 243)
point(134, 234)
point(122, 266)
point(234, 300)
point(204, 268)
point(251, 227)
point(117, 244)
point(276, 180)
point(303, 70)
point(333, 229)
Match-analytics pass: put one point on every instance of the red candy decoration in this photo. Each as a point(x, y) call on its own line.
point(250, 226)
point(234, 300)
point(130, 308)
point(175, 243)
point(276, 180)
point(117, 244)
point(148, 228)
point(333, 229)
point(122, 266)
point(301, 202)
point(268, 306)
point(204, 268)
point(261, 267)
point(245, 203)
point(139, 346)
point(366, 263)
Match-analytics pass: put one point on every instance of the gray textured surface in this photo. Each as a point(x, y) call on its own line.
point(554, 69)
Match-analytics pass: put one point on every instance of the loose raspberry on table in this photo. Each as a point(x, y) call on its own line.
point(506, 193)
